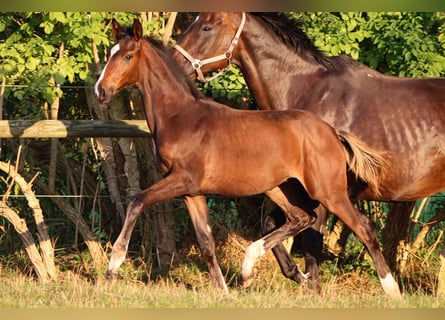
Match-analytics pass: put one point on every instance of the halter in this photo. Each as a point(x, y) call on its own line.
point(197, 63)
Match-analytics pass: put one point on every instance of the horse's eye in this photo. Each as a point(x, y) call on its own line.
point(128, 57)
point(206, 28)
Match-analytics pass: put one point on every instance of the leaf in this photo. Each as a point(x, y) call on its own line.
point(32, 64)
point(47, 26)
point(57, 16)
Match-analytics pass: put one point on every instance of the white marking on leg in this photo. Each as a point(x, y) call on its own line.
point(118, 254)
point(391, 287)
point(115, 262)
point(253, 253)
point(113, 51)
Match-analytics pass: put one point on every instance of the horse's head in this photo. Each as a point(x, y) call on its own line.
point(122, 69)
point(209, 43)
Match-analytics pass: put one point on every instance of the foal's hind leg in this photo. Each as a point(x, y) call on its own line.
point(199, 214)
point(297, 220)
point(287, 265)
point(312, 247)
point(362, 226)
point(295, 193)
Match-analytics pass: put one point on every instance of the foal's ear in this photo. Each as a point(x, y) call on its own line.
point(117, 29)
point(137, 30)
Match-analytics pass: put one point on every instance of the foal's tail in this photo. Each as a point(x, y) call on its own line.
point(368, 164)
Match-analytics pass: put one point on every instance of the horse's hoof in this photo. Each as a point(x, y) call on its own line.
point(246, 283)
point(112, 276)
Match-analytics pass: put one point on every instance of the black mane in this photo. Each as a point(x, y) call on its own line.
point(290, 32)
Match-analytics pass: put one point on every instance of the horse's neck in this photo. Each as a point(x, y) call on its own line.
point(272, 70)
point(163, 97)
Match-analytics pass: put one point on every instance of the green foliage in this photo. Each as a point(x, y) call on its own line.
point(398, 43)
point(405, 44)
point(229, 88)
point(334, 34)
point(38, 47)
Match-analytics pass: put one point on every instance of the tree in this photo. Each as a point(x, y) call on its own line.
point(46, 58)
point(43, 260)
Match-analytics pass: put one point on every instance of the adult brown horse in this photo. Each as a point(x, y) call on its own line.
point(208, 148)
point(283, 69)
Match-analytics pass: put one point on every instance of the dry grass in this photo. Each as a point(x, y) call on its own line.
point(188, 286)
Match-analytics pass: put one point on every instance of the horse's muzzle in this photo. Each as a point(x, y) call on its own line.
point(103, 94)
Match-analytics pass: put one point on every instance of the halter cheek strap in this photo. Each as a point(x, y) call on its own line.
point(197, 63)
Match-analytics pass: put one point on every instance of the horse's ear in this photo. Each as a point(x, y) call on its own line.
point(137, 30)
point(116, 28)
point(220, 16)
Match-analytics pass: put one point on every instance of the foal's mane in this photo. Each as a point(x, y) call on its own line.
point(165, 53)
point(290, 32)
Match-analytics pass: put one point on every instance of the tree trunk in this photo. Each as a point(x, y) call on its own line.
point(28, 241)
point(395, 231)
point(106, 149)
point(44, 261)
point(337, 237)
point(94, 247)
point(169, 27)
point(53, 115)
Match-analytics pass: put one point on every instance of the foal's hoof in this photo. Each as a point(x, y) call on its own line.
point(112, 276)
point(246, 283)
point(305, 276)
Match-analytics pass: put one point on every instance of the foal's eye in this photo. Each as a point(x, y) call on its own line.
point(206, 28)
point(128, 57)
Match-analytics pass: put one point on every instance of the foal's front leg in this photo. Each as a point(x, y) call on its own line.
point(170, 187)
point(199, 214)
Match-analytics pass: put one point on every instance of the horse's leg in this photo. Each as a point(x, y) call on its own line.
point(340, 205)
point(288, 267)
point(274, 220)
point(199, 214)
point(172, 186)
point(297, 220)
point(312, 247)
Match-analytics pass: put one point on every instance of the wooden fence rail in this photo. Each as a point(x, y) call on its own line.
point(73, 128)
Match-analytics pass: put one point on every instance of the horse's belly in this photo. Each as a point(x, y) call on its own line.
point(409, 180)
point(245, 181)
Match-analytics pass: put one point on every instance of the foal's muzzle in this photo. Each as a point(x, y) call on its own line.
point(103, 94)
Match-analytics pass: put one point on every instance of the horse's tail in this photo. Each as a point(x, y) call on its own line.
point(368, 164)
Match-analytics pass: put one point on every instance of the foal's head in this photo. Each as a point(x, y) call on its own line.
point(133, 59)
point(123, 66)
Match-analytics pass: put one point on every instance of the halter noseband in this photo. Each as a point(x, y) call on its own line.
point(197, 63)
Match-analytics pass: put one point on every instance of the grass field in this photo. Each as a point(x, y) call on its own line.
point(187, 285)
point(17, 291)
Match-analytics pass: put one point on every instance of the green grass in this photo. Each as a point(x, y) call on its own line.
point(74, 291)
point(187, 285)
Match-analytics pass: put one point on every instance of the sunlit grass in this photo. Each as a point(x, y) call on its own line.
point(18, 291)
point(187, 285)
